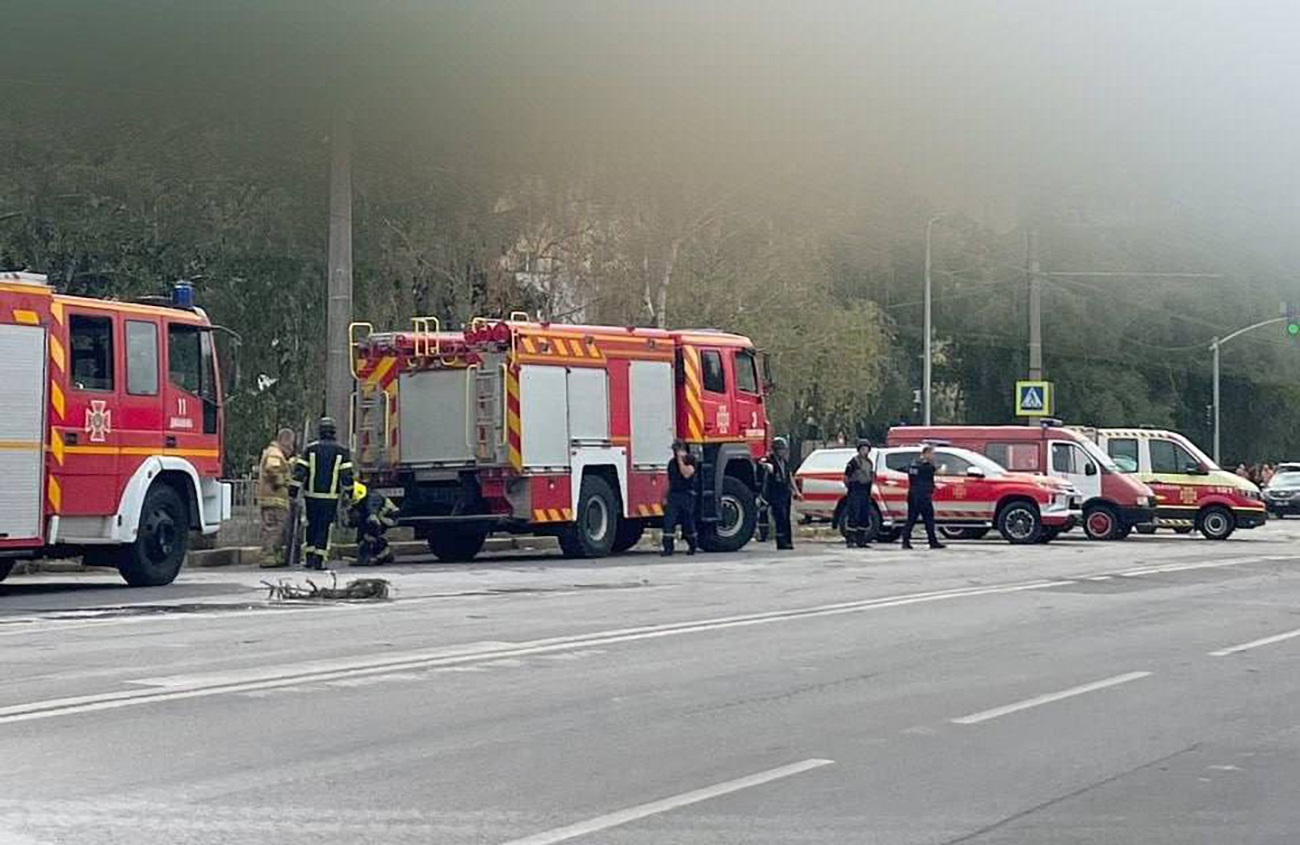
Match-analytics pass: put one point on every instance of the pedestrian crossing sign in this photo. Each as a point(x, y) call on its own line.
point(1033, 398)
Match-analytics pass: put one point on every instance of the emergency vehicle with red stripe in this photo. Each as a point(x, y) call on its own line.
point(112, 435)
point(972, 495)
point(544, 428)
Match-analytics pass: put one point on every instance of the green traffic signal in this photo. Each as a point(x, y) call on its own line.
point(1293, 328)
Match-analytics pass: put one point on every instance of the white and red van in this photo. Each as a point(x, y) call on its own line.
point(1113, 502)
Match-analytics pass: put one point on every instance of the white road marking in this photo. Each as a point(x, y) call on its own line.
point(1213, 564)
point(985, 715)
point(1276, 638)
point(695, 796)
point(195, 686)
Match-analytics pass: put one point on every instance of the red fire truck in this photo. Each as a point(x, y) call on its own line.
point(111, 443)
point(542, 428)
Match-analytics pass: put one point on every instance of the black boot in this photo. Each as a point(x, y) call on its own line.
point(907, 543)
point(935, 544)
point(690, 545)
point(668, 547)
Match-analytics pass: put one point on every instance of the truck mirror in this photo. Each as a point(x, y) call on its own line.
point(1090, 468)
point(765, 372)
point(974, 472)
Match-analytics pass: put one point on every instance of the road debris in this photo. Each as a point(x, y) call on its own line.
point(359, 589)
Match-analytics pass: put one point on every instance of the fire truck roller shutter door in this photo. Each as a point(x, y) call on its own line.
point(544, 408)
point(22, 430)
point(432, 416)
point(652, 413)
point(588, 406)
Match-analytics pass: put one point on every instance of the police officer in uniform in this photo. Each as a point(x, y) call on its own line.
point(779, 490)
point(321, 474)
point(680, 507)
point(372, 514)
point(920, 498)
point(858, 476)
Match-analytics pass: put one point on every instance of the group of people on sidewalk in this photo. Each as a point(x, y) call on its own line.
point(320, 480)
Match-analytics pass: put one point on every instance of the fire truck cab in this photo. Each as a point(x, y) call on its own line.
point(566, 430)
point(111, 442)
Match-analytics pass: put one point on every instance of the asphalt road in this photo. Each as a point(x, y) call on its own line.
point(1135, 692)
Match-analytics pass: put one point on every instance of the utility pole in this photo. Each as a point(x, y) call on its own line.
point(338, 368)
point(1034, 271)
point(929, 332)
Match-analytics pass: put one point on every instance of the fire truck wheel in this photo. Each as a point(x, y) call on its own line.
point(1100, 522)
point(1019, 522)
point(455, 547)
point(6, 567)
point(1216, 523)
point(737, 518)
point(627, 535)
point(591, 534)
point(161, 540)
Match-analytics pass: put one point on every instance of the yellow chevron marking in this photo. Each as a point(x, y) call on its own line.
point(56, 447)
point(568, 514)
point(528, 345)
point(30, 318)
point(55, 494)
point(56, 353)
point(56, 398)
point(385, 364)
point(56, 309)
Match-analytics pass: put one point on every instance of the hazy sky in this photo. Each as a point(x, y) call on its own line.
point(1144, 107)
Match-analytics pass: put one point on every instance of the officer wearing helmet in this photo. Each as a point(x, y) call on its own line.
point(779, 490)
point(321, 474)
point(858, 475)
point(372, 514)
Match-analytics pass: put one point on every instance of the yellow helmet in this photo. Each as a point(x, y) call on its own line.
point(358, 491)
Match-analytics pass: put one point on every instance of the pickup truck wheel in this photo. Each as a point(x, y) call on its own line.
point(627, 535)
point(161, 541)
point(451, 546)
point(5, 568)
point(591, 534)
point(737, 518)
point(1100, 522)
point(1216, 523)
point(1019, 523)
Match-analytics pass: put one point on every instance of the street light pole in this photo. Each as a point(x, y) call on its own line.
point(1214, 344)
point(925, 392)
point(1214, 347)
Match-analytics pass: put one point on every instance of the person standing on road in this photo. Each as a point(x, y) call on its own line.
point(321, 474)
point(679, 509)
point(273, 472)
point(858, 476)
point(920, 498)
point(779, 490)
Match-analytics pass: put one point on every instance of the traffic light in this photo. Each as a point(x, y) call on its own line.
point(1292, 320)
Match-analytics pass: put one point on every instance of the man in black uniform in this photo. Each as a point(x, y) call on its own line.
point(920, 498)
point(679, 509)
point(779, 489)
point(321, 474)
point(858, 475)
point(372, 514)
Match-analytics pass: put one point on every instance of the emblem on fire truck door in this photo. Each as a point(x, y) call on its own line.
point(1188, 495)
point(99, 420)
point(724, 420)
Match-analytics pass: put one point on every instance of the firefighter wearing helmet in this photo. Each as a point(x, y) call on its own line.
point(372, 514)
point(779, 490)
point(858, 476)
point(321, 474)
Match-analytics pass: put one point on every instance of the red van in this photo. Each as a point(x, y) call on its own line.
point(1113, 502)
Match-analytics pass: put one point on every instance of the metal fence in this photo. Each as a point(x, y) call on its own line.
point(245, 525)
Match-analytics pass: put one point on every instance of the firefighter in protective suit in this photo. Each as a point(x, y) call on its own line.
point(372, 514)
point(321, 474)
